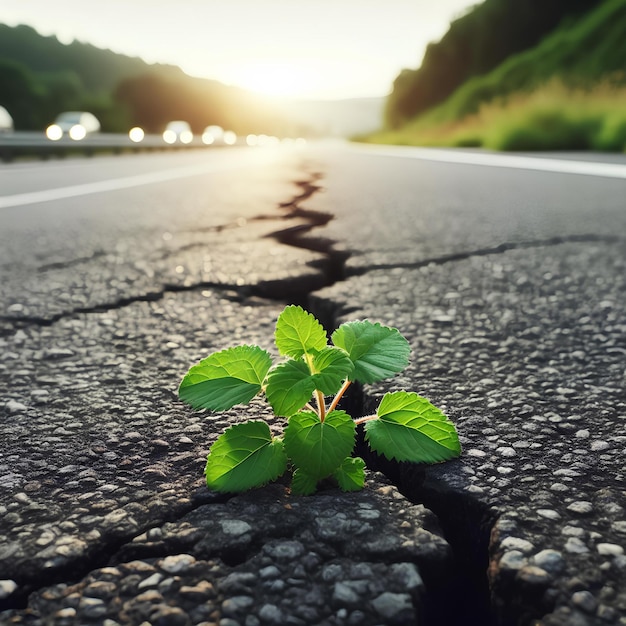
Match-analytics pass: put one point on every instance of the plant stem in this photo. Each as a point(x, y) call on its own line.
point(321, 405)
point(335, 402)
point(365, 418)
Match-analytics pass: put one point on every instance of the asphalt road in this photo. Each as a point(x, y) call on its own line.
point(128, 212)
point(85, 233)
point(505, 272)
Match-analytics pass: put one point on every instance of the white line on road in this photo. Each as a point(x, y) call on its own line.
point(544, 164)
point(46, 195)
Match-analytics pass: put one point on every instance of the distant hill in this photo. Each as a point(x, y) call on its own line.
point(98, 70)
point(475, 44)
point(40, 77)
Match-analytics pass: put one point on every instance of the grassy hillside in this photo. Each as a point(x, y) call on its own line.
point(568, 92)
point(475, 44)
point(580, 55)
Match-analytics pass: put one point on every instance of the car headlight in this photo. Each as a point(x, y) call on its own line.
point(136, 134)
point(186, 136)
point(169, 136)
point(54, 132)
point(78, 132)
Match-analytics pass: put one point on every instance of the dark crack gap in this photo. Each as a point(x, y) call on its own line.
point(71, 263)
point(153, 296)
point(308, 186)
point(466, 525)
point(499, 249)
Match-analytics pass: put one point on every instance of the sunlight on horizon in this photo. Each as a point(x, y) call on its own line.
point(301, 78)
point(276, 77)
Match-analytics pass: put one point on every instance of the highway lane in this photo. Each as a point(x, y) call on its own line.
point(391, 207)
point(25, 177)
point(86, 232)
point(69, 203)
point(404, 205)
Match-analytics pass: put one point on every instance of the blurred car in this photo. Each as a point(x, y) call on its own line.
point(6, 121)
point(178, 130)
point(75, 124)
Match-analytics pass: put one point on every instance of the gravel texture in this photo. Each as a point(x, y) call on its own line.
point(265, 558)
point(526, 354)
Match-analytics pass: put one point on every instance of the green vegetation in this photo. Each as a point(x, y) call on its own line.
point(40, 77)
point(552, 117)
point(567, 92)
point(475, 44)
point(318, 440)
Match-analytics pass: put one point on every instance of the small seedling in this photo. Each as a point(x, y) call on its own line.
point(318, 439)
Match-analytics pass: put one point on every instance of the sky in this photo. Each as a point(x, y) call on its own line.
point(304, 49)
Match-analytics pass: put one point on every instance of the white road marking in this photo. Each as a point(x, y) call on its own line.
point(60, 193)
point(543, 164)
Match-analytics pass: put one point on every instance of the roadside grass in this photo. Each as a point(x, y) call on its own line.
point(554, 116)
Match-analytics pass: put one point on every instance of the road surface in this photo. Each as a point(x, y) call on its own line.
point(506, 273)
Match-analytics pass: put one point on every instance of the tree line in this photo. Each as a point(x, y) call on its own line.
point(41, 77)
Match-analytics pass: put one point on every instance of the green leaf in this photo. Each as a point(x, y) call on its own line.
point(331, 366)
point(318, 448)
point(245, 456)
point(303, 484)
point(351, 474)
point(410, 428)
point(290, 386)
point(298, 333)
point(377, 352)
point(226, 378)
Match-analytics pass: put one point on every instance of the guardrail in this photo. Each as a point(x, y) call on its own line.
point(36, 144)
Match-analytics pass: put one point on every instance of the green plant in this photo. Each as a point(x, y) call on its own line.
point(318, 440)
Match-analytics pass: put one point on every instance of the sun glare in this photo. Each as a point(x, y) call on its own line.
point(277, 77)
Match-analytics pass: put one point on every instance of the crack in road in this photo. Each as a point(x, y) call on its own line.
point(296, 289)
point(61, 265)
point(488, 251)
point(119, 548)
point(330, 269)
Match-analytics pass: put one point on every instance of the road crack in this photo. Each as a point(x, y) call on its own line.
point(488, 251)
point(325, 271)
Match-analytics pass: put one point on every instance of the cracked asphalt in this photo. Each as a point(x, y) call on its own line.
point(509, 284)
